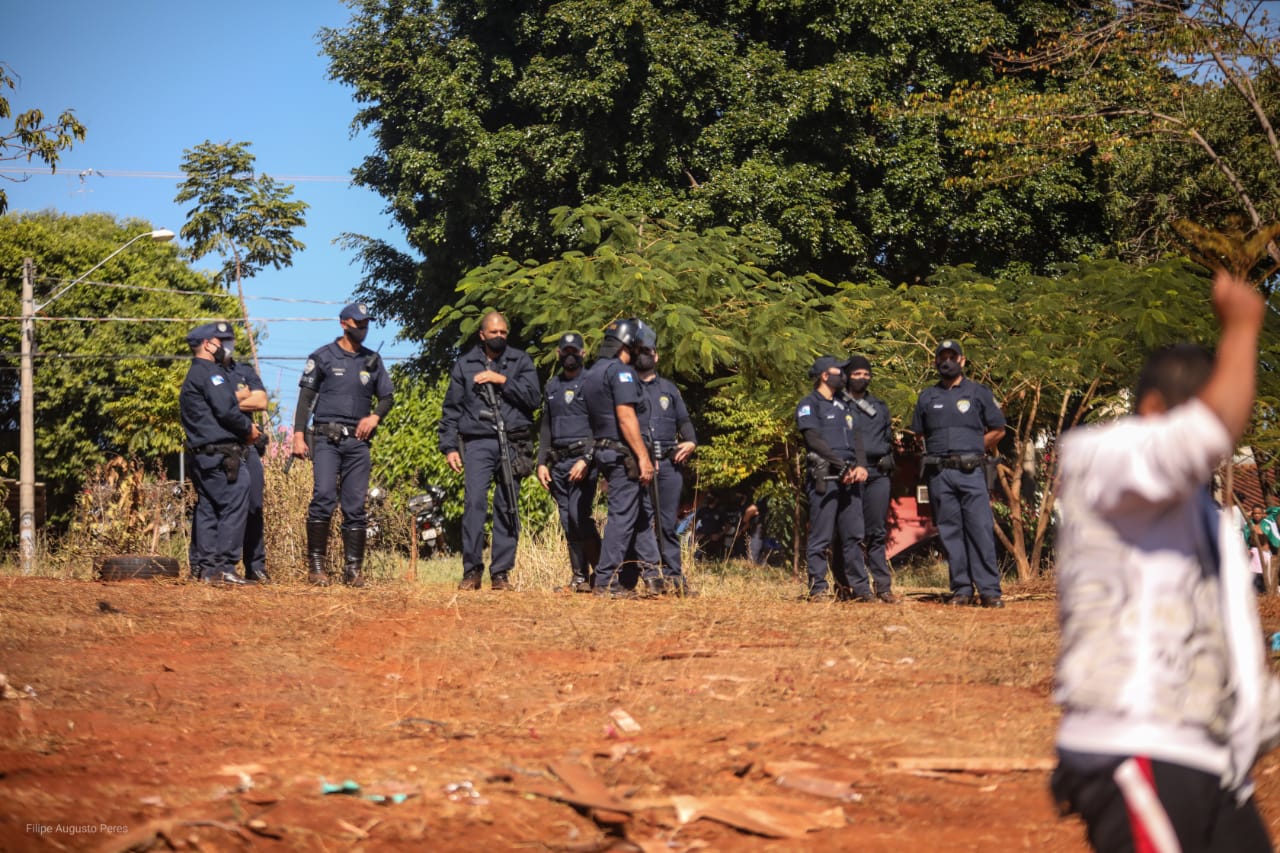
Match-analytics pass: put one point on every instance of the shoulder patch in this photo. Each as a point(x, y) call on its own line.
point(626, 376)
point(805, 411)
point(310, 366)
point(217, 379)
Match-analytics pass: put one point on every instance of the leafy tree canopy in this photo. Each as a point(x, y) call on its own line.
point(34, 137)
point(107, 380)
point(756, 116)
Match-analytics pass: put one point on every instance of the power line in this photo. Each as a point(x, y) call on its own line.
point(173, 319)
point(125, 173)
point(220, 295)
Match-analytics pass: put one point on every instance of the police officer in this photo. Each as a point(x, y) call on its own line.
point(252, 396)
point(835, 475)
point(565, 454)
point(960, 422)
point(490, 373)
point(614, 401)
point(217, 432)
point(873, 445)
point(669, 435)
point(339, 383)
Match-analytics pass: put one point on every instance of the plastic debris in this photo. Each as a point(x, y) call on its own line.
point(625, 721)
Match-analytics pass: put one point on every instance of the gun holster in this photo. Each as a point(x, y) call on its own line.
point(231, 463)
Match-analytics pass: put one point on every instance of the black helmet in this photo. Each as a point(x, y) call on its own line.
point(646, 337)
point(625, 331)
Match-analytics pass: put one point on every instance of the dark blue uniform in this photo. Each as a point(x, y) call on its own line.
point(873, 427)
point(464, 427)
point(953, 422)
point(609, 384)
point(664, 423)
point(255, 549)
point(566, 438)
point(216, 432)
point(345, 384)
point(835, 509)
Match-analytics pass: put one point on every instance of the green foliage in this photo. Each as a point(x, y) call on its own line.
point(102, 389)
point(248, 220)
point(33, 137)
point(755, 116)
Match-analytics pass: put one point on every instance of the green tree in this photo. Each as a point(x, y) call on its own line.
point(1172, 103)
point(107, 378)
point(755, 116)
point(248, 220)
point(33, 136)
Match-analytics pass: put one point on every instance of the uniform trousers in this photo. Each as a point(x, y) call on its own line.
point(962, 513)
point(629, 528)
point(875, 509)
point(574, 500)
point(482, 468)
point(835, 521)
point(221, 509)
point(341, 471)
point(255, 549)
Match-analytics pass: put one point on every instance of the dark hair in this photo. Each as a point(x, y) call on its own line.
point(1176, 371)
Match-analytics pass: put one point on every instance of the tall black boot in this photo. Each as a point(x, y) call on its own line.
point(317, 548)
point(353, 556)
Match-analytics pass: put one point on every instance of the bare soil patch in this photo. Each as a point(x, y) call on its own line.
point(172, 714)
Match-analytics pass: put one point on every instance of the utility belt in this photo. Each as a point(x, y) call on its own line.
point(335, 431)
point(966, 462)
point(233, 453)
point(823, 472)
point(573, 450)
point(661, 450)
point(629, 461)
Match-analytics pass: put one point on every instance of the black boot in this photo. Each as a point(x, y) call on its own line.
point(353, 557)
point(317, 548)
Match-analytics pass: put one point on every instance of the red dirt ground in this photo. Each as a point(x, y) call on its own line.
point(169, 714)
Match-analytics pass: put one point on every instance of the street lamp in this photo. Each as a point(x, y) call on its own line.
point(27, 403)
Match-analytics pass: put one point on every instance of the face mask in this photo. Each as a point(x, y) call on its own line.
point(858, 386)
point(646, 361)
point(357, 335)
point(949, 369)
point(495, 345)
point(571, 362)
point(835, 383)
point(221, 355)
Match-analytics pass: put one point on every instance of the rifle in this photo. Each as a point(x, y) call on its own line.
point(504, 449)
point(655, 495)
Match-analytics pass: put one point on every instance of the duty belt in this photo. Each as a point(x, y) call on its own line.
point(961, 461)
point(224, 447)
point(569, 451)
point(335, 431)
point(661, 450)
point(611, 444)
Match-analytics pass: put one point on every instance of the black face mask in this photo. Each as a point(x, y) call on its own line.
point(357, 335)
point(495, 345)
point(645, 361)
point(835, 383)
point(571, 362)
point(858, 386)
point(222, 355)
point(949, 369)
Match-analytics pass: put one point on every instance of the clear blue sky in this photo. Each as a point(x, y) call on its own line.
point(150, 79)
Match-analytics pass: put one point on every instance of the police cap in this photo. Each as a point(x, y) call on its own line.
point(221, 330)
point(948, 344)
point(822, 365)
point(357, 311)
point(571, 340)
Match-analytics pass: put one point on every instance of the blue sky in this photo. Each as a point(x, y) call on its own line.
point(151, 79)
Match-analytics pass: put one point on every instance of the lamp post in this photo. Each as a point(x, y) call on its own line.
point(27, 402)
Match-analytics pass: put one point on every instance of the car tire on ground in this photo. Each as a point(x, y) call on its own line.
point(125, 567)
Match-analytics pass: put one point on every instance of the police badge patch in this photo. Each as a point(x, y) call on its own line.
point(665, 402)
point(962, 405)
point(310, 366)
point(364, 377)
point(848, 421)
point(568, 396)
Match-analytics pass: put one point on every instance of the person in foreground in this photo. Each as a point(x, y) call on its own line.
point(1165, 694)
